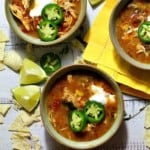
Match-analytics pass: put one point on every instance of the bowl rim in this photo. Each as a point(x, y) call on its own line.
point(112, 21)
point(88, 144)
point(33, 40)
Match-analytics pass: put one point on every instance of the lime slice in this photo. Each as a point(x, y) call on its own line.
point(31, 73)
point(95, 2)
point(27, 96)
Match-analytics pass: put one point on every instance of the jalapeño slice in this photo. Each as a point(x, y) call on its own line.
point(53, 12)
point(144, 32)
point(94, 111)
point(47, 31)
point(50, 62)
point(77, 120)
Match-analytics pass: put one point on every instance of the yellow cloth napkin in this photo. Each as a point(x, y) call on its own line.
point(101, 52)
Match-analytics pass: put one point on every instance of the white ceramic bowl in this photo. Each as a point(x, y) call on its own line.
point(69, 143)
point(36, 41)
point(116, 12)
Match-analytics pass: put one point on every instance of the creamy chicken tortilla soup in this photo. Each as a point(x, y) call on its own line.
point(46, 17)
point(81, 106)
point(132, 24)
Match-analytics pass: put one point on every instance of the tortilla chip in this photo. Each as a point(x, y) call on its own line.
point(9, 60)
point(16, 105)
point(1, 119)
point(2, 66)
point(3, 37)
point(21, 141)
point(36, 143)
point(4, 108)
point(77, 44)
point(2, 47)
point(29, 118)
point(18, 125)
point(147, 117)
point(17, 135)
point(147, 137)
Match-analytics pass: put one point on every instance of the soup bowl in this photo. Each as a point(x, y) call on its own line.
point(33, 38)
point(68, 135)
point(136, 19)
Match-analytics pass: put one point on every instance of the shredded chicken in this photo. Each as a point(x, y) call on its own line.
point(141, 49)
point(73, 97)
point(26, 3)
point(21, 12)
point(89, 127)
point(70, 13)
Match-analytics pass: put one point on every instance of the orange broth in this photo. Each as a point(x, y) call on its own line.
point(136, 12)
point(79, 90)
point(70, 16)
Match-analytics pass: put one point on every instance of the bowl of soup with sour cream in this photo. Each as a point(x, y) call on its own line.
point(45, 22)
point(130, 32)
point(81, 106)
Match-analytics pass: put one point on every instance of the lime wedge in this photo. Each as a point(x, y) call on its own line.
point(31, 73)
point(95, 2)
point(27, 96)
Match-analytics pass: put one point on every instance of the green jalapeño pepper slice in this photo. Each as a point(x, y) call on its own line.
point(53, 12)
point(77, 120)
point(94, 111)
point(47, 31)
point(144, 32)
point(50, 62)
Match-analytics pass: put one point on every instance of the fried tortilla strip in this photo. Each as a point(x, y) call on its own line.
point(2, 47)
point(3, 37)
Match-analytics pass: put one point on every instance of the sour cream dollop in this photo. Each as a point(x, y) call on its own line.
point(38, 6)
point(100, 95)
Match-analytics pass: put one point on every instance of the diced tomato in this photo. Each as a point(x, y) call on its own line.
point(56, 104)
point(136, 20)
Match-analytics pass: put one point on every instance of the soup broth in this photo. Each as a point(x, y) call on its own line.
point(129, 20)
point(28, 24)
point(76, 89)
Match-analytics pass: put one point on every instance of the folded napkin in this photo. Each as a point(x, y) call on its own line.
point(101, 52)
